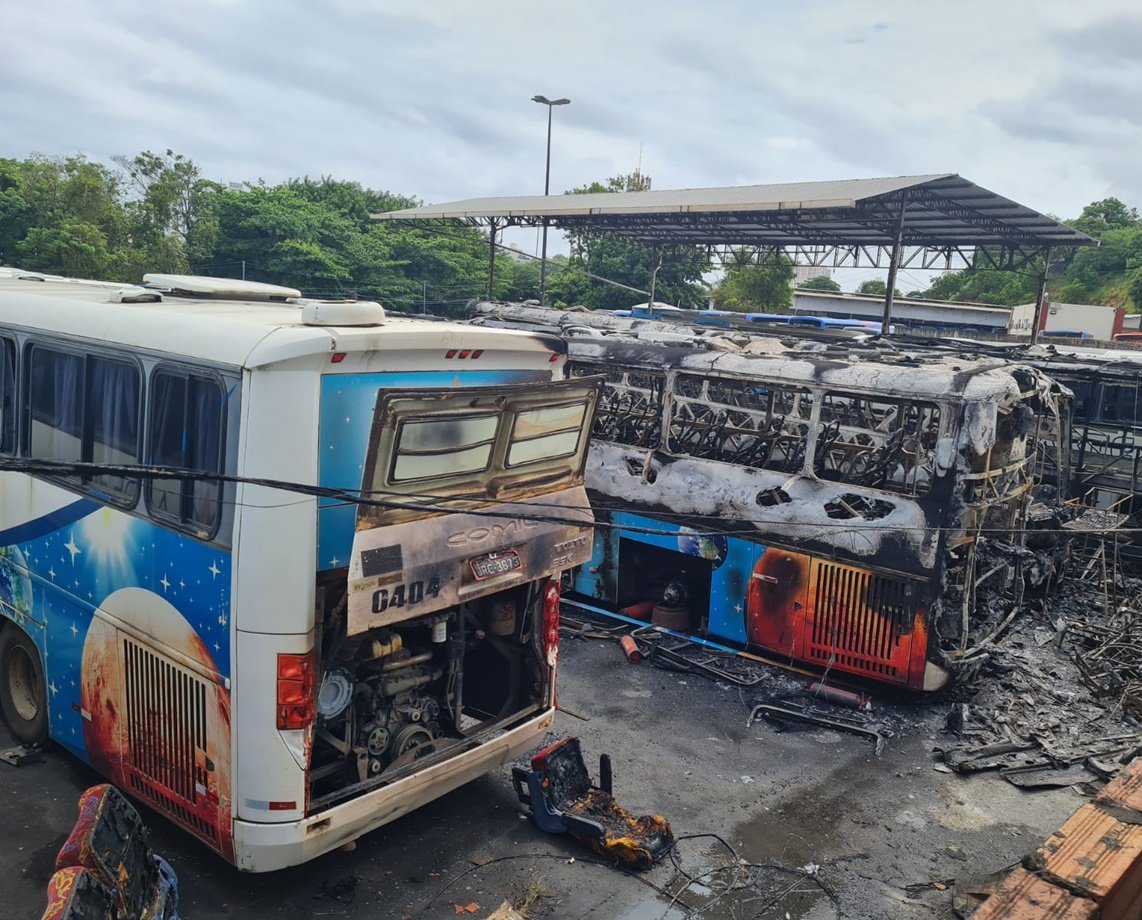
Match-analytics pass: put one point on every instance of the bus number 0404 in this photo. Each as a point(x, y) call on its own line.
point(400, 595)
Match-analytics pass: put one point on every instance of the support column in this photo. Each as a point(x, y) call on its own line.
point(893, 268)
point(1040, 300)
point(491, 256)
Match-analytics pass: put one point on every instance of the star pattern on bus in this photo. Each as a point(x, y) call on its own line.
point(105, 551)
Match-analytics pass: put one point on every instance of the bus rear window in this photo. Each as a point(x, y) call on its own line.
point(546, 433)
point(443, 445)
point(476, 443)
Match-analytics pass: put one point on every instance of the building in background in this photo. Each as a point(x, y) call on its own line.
point(1095, 320)
point(907, 314)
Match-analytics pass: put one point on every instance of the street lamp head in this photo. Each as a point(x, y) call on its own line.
point(543, 100)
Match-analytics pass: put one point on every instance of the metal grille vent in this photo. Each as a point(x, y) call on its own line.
point(166, 730)
point(859, 620)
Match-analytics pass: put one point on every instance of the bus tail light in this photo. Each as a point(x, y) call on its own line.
point(295, 691)
point(550, 620)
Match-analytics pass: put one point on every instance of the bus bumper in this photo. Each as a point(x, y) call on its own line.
point(262, 847)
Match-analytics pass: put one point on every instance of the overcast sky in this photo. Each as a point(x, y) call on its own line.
point(1040, 101)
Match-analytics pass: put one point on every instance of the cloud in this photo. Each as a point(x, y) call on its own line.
point(433, 100)
point(1113, 41)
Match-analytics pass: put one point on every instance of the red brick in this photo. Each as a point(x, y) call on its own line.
point(1095, 853)
point(1024, 896)
point(1125, 789)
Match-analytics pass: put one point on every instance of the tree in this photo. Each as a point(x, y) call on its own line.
point(989, 286)
point(72, 247)
point(172, 222)
point(1108, 214)
point(877, 288)
point(15, 213)
point(62, 216)
point(1134, 282)
point(753, 282)
point(598, 257)
point(819, 283)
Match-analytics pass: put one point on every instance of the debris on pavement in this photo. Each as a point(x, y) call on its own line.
point(1059, 699)
point(563, 799)
point(781, 714)
point(106, 869)
point(21, 755)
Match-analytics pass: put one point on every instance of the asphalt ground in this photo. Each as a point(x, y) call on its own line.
point(831, 829)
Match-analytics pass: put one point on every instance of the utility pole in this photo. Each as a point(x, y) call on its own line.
point(550, 103)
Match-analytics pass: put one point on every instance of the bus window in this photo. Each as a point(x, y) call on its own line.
point(1121, 404)
point(113, 392)
point(630, 411)
point(881, 443)
point(546, 433)
point(55, 388)
point(86, 409)
point(746, 422)
point(448, 444)
point(186, 415)
point(1082, 390)
point(7, 397)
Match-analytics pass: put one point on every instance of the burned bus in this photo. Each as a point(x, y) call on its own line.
point(841, 506)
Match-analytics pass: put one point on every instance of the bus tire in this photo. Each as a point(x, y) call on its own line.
point(23, 694)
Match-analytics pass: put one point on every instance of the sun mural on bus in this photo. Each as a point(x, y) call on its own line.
point(133, 624)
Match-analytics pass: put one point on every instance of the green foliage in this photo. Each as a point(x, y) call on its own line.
point(1103, 274)
point(72, 247)
point(750, 285)
point(598, 258)
point(155, 212)
point(1108, 214)
point(819, 283)
point(171, 215)
point(876, 288)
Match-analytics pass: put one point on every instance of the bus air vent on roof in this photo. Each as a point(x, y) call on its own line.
point(135, 294)
point(341, 312)
point(219, 288)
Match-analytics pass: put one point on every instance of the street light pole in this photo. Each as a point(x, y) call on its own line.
point(550, 103)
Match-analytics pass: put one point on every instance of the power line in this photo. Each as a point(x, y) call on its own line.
point(431, 503)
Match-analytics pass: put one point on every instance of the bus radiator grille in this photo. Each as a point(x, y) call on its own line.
point(166, 732)
point(859, 622)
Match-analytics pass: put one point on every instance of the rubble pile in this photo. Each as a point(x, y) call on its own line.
point(1059, 698)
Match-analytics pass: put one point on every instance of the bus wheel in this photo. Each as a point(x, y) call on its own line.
point(23, 696)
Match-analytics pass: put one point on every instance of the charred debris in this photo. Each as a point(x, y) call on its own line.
point(1003, 495)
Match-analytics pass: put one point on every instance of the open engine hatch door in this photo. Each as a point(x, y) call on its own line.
point(477, 489)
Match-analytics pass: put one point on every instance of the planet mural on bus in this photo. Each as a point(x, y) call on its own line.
point(131, 690)
point(705, 545)
point(15, 585)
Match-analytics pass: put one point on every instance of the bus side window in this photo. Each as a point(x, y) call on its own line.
point(85, 408)
point(883, 443)
point(186, 415)
point(7, 397)
point(1121, 404)
point(1082, 405)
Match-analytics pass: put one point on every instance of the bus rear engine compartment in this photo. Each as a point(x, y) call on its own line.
point(391, 697)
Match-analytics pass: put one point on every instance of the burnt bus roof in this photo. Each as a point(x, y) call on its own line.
point(871, 367)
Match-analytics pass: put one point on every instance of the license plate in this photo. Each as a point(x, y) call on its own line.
point(494, 564)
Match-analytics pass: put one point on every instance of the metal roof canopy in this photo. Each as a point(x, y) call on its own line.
point(921, 221)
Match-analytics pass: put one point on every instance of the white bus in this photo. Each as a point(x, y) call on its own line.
point(282, 569)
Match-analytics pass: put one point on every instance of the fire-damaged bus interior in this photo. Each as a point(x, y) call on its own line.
point(860, 508)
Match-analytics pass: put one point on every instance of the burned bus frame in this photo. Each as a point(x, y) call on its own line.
point(844, 509)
